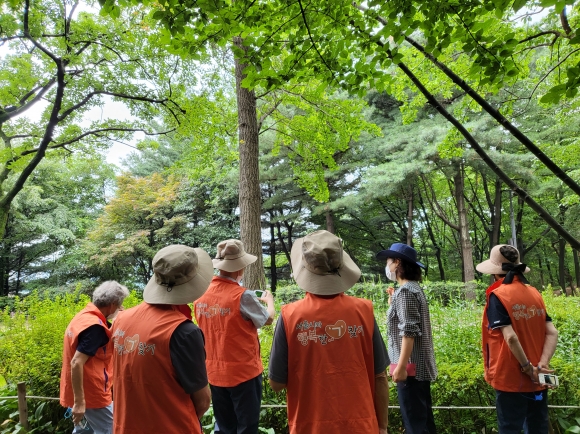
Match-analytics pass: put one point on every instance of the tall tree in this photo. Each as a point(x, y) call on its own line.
point(63, 62)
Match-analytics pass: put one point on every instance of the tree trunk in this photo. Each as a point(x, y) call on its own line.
point(550, 275)
point(561, 264)
point(496, 220)
point(433, 239)
point(576, 267)
point(410, 218)
point(273, 275)
point(541, 270)
point(19, 273)
point(285, 248)
point(465, 242)
point(4, 211)
point(330, 221)
point(249, 183)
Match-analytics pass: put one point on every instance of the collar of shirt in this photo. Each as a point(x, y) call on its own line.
point(227, 278)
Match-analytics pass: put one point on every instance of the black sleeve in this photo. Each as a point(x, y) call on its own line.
point(91, 339)
point(187, 351)
point(379, 351)
point(497, 314)
point(278, 366)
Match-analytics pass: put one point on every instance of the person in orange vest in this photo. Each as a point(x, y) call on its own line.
point(85, 379)
point(519, 340)
point(230, 316)
point(327, 351)
point(410, 339)
point(159, 359)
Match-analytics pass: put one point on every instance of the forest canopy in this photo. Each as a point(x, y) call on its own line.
point(450, 126)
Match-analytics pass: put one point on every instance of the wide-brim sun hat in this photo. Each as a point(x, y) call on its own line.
point(494, 264)
point(231, 256)
point(182, 274)
point(320, 265)
point(400, 251)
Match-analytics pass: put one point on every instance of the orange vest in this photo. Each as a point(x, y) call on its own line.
point(331, 377)
point(231, 342)
point(528, 318)
point(148, 397)
point(96, 371)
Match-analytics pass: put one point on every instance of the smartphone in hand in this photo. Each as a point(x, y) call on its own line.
point(548, 379)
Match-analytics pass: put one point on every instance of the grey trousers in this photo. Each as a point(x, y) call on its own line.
point(100, 421)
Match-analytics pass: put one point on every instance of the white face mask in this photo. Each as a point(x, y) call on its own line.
point(240, 279)
point(391, 275)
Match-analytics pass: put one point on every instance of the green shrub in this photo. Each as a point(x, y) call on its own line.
point(31, 347)
point(7, 302)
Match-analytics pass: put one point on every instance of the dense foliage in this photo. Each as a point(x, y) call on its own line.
point(31, 346)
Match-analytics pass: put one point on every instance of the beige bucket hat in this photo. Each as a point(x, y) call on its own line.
point(231, 256)
point(496, 260)
point(320, 265)
point(181, 275)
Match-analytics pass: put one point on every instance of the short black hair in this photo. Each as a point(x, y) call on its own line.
point(408, 270)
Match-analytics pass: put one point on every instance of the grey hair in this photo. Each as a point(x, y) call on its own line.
point(109, 293)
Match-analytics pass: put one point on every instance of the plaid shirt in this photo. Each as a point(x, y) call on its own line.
point(408, 315)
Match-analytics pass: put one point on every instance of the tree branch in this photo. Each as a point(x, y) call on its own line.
point(303, 13)
point(5, 116)
point(564, 21)
point(535, 243)
point(31, 39)
point(556, 33)
point(97, 133)
point(435, 205)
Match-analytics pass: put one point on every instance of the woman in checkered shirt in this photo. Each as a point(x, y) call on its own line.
point(410, 340)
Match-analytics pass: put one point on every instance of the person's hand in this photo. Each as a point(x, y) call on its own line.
point(531, 371)
point(78, 411)
point(267, 297)
point(383, 431)
point(400, 373)
point(543, 369)
point(390, 290)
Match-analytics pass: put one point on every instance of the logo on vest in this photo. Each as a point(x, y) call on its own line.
point(332, 332)
point(521, 311)
point(202, 309)
point(130, 344)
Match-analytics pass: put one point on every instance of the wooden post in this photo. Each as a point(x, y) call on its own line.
point(22, 407)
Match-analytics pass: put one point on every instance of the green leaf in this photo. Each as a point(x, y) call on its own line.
point(397, 58)
point(518, 4)
point(551, 98)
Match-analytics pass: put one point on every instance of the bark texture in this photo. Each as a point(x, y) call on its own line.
point(249, 181)
point(465, 241)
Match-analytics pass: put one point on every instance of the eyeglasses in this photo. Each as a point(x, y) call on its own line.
point(83, 424)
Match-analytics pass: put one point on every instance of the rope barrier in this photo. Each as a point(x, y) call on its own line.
point(452, 407)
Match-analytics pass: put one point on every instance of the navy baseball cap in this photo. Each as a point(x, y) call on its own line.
point(400, 251)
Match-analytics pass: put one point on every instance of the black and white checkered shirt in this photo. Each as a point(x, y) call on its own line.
point(408, 315)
